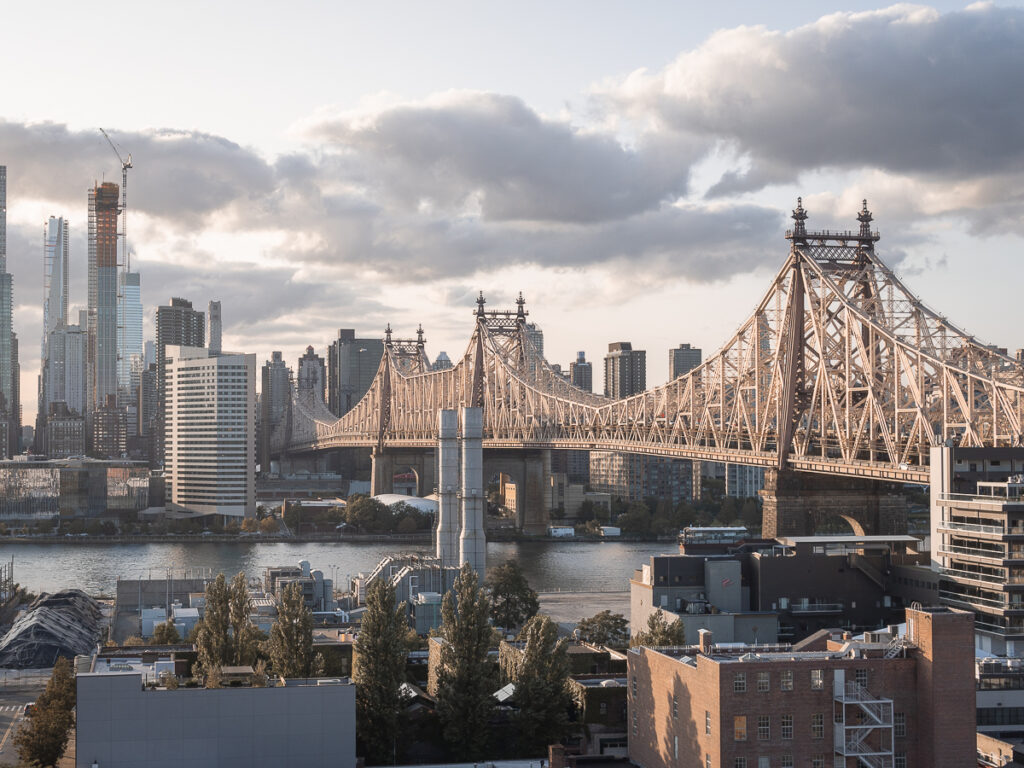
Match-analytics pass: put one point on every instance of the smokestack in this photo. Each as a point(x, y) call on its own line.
point(472, 545)
point(448, 488)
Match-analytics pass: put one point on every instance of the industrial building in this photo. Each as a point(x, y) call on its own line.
point(894, 698)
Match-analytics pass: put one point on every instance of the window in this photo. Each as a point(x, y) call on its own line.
point(786, 680)
point(634, 686)
point(817, 679)
point(787, 726)
point(739, 728)
point(786, 761)
point(764, 727)
point(900, 760)
point(818, 726)
point(764, 681)
point(860, 676)
point(764, 762)
point(739, 683)
point(675, 742)
point(818, 761)
point(707, 722)
point(675, 707)
point(899, 724)
point(604, 707)
point(707, 760)
point(634, 723)
point(739, 762)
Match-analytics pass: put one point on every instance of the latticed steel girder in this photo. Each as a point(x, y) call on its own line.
point(839, 369)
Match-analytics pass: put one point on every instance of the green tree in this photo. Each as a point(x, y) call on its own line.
point(660, 633)
point(513, 602)
point(466, 678)
point(380, 671)
point(636, 519)
point(245, 635)
point(213, 641)
point(605, 628)
point(291, 636)
point(41, 741)
point(541, 698)
point(165, 634)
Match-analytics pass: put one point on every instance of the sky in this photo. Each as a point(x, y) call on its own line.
point(628, 166)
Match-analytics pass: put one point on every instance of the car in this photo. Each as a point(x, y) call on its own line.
point(28, 708)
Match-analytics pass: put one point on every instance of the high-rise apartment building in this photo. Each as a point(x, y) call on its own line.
point(214, 324)
point(625, 370)
point(6, 328)
point(275, 389)
point(65, 432)
point(311, 374)
point(66, 369)
point(581, 373)
point(634, 477)
point(110, 430)
point(210, 431)
point(103, 292)
point(351, 365)
point(682, 359)
point(14, 444)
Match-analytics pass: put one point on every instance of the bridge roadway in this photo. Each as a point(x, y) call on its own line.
point(840, 370)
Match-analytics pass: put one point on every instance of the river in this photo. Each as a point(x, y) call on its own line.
point(95, 567)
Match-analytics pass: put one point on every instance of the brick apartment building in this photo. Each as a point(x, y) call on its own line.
point(896, 701)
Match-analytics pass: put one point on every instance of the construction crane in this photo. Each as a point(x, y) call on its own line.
point(125, 165)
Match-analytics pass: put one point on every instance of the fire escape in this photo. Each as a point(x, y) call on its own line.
point(863, 725)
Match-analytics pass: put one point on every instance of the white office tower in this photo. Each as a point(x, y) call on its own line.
point(214, 324)
point(448, 488)
point(210, 456)
point(472, 544)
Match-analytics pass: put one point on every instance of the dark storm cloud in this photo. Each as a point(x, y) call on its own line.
point(902, 89)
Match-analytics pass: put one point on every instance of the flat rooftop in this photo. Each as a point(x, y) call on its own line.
point(849, 539)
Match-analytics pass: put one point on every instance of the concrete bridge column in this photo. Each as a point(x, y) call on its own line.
point(382, 472)
point(795, 503)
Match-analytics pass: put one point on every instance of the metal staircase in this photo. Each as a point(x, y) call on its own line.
point(863, 725)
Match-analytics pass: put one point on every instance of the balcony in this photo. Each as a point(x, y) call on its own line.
point(985, 578)
point(990, 554)
point(972, 601)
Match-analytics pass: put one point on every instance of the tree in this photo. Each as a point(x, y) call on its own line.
point(660, 633)
point(269, 526)
point(165, 634)
point(541, 697)
point(213, 643)
point(380, 671)
point(291, 636)
point(44, 737)
point(244, 633)
point(513, 602)
point(250, 525)
point(466, 679)
point(605, 628)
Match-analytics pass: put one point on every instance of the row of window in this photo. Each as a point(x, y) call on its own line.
point(764, 680)
point(786, 761)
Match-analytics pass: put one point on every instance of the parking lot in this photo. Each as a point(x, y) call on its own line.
point(12, 705)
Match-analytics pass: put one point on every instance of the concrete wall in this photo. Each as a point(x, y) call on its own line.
point(122, 726)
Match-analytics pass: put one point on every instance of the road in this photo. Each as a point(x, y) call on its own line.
point(12, 704)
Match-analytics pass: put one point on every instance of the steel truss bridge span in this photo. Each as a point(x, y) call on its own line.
point(840, 369)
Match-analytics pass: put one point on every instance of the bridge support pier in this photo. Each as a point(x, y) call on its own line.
point(385, 463)
point(796, 503)
point(531, 472)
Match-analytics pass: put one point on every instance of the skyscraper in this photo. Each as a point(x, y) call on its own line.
point(65, 369)
point(274, 394)
point(581, 373)
point(625, 370)
point(56, 265)
point(214, 325)
point(311, 373)
point(103, 290)
point(682, 359)
point(351, 365)
point(211, 421)
point(6, 328)
point(129, 322)
point(177, 324)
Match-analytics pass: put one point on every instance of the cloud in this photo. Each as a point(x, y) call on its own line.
point(903, 89)
point(462, 150)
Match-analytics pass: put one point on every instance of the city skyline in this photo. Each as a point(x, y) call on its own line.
point(350, 210)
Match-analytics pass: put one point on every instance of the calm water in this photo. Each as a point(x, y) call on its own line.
point(95, 567)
